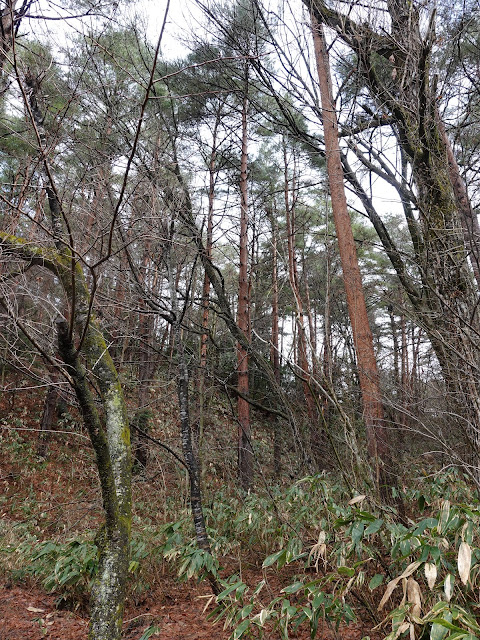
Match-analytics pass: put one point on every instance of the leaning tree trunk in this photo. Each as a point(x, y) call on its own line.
point(446, 301)
point(377, 442)
point(111, 443)
point(110, 439)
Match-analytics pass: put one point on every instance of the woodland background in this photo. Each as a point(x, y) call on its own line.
point(240, 325)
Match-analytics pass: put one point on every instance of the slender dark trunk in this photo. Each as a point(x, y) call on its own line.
point(274, 351)
point(206, 288)
point(48, 416)
point(186, 431)
point(302, 359)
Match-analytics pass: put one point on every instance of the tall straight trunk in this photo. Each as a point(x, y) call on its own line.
point(302, 359)
point(327, 334)
point(206, 287)
point(317, 441)
point(362, 335)
point(274, 351)
point(311, 324)
point(224, 303)
point(245, 453)
point(145, 372)
point(445, 299)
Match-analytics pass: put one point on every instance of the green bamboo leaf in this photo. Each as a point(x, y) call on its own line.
point(240, 630)
point(149, 631)
point(374, 527)
point(376, 581)
point(293, 588)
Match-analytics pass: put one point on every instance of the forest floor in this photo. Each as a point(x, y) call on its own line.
point(31, 614)
point(57, 498)
point(177, 610)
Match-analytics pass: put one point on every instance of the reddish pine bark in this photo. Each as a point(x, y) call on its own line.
point(245, 454)
point(362, 336)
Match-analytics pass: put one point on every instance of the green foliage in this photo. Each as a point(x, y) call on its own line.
point(66, 569)
point(327, 558)
point(149, 632)
point(366, 560)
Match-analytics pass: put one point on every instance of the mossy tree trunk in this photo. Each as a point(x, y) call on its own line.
point(109, 433)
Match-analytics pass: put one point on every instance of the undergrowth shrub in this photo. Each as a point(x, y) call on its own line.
point(327, 559)
point(68, 568)
point(421, 579)
point(338, 558)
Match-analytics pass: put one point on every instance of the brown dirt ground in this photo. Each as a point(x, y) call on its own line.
point(30, 614)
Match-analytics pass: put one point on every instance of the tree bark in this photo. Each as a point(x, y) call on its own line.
point(191, 460)
point(302, 359)
point(48, 415)
point(245, 453)
point(206, 286)
point(446, 302)
point(471, 228)
point(373, 414)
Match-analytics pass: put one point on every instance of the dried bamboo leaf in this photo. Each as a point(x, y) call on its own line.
point(448, 587)
point(393, 583)
point(400, 629)
point(414, 596)
point(388, 592)
point(464, 562)
point(430, 574)
point(410, 569)
point(404, 587)
point(357, 499)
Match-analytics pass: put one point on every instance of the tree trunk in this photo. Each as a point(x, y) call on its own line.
point(206, 287)
point(471, 228)
point(245, 453)
point(274, 351)
point(46, 422)
point(110, 437)
point(446, 301)
point(186, 213)
point(367, 366)
point(191, 460)
point(302, 359)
